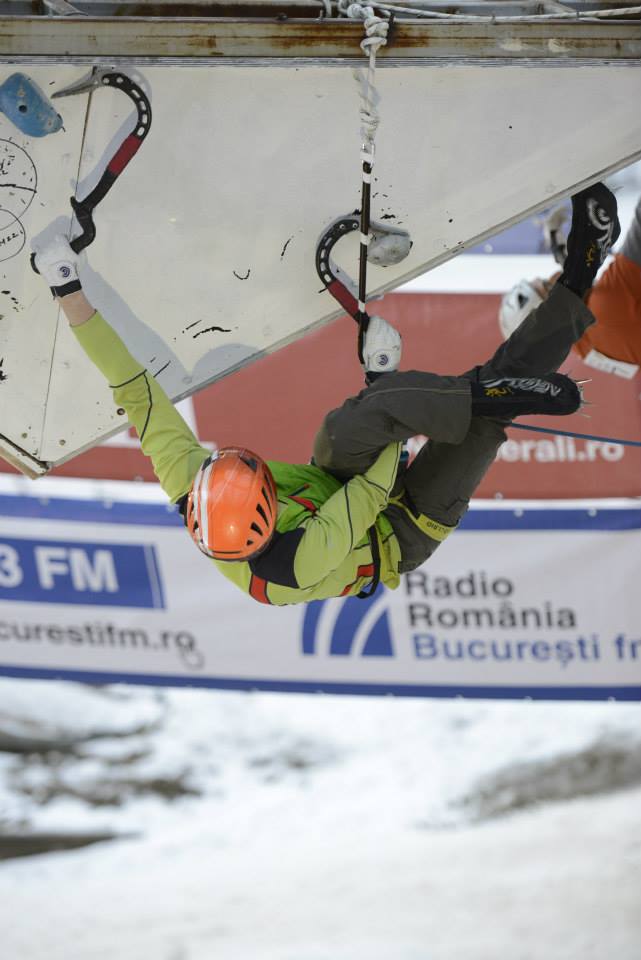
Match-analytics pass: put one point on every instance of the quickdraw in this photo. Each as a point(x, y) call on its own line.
point(329, 273)
point(83, 209)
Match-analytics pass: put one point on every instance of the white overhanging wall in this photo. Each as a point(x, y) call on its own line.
point(204, 255)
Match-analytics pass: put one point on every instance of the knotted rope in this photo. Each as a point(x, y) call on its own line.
point(376, 31)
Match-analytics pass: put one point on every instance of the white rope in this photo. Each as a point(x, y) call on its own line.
point(376, 29)
point(418, 11)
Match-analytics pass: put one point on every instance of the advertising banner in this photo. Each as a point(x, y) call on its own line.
point(519, 602)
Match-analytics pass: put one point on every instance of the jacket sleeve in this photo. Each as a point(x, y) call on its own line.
point(164, 436)
point(344, 519)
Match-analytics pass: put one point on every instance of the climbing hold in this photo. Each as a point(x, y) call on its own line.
point(27, 108)
point(388, 245)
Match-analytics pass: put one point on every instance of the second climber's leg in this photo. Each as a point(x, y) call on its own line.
point(542, 342)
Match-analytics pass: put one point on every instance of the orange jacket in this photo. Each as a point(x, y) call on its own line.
point(615, 301)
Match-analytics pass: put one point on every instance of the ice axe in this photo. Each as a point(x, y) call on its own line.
point(83, 209)
point(27, 108)
point(387, 245)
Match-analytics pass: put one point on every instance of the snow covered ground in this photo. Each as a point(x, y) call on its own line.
point(325, 827)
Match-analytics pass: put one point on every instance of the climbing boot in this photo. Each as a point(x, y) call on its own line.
point(511, 397)
point(595, 228)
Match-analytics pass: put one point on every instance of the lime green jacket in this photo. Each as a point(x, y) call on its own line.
point(321, 546)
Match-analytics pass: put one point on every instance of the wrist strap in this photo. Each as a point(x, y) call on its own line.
point(66, 288)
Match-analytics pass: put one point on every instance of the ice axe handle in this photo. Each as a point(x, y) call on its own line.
point(84, 217)
point(83, 212)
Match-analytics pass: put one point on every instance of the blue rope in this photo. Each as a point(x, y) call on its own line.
point(581, 436)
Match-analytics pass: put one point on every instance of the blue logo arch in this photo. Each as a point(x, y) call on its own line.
point(349, 617)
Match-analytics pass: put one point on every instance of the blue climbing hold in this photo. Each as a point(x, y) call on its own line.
point(27, 108)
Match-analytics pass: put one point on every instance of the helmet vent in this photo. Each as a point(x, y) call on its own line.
point(262, 513)
point(267, 501)
point(522, 300)
point(251, 463)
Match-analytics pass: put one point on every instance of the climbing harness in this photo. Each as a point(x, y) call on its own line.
point(431, 528)
point(372, 587)
point(83, 209)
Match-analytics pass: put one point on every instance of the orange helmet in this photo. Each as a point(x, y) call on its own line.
point(231, 507)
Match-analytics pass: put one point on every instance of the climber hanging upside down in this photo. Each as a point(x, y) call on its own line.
point(287, 533)
point(613, 344)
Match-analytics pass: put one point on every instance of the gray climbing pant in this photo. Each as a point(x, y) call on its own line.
point(431, 496)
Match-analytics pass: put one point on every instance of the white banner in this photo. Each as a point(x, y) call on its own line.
point(528, 602)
